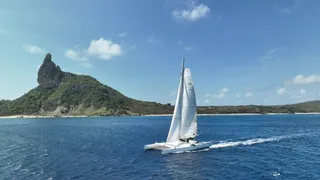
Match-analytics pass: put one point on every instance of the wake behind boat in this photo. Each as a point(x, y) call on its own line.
point(183, 128)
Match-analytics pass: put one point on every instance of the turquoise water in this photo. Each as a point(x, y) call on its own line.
point(245, 147)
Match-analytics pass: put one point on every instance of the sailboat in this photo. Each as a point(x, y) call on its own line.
point(184, 127)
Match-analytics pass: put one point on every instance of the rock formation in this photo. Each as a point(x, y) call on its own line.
point(49, 75)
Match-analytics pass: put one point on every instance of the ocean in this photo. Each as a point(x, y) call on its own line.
point(244, 147)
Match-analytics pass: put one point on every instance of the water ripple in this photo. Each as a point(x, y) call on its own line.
point(274, 147)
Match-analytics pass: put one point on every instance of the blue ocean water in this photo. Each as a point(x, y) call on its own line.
point(245, 147)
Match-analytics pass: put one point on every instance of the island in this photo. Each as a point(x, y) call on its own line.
point(65, 94)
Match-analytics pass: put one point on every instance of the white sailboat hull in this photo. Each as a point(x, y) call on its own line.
point(177, 147)
point(184, 120)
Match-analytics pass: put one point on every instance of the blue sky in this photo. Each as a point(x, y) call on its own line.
point(239, 52)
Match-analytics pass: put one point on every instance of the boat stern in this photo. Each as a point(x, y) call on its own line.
point(155, 146)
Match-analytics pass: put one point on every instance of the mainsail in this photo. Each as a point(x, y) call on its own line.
point(174, 132)
point(184, 119)
point(189, 108)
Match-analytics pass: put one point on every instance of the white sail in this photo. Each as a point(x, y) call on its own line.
point(174, 132)
point(183, 126)
point(189, 108)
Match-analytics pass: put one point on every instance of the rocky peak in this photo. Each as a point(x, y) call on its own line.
point(49, 74)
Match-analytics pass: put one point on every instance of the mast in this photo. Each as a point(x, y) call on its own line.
point(174, 131)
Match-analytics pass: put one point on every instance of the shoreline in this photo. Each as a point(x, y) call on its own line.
point(148, 115)
point(40, 116)
point(241, 114)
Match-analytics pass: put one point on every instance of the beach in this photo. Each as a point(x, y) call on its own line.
point(39, 116)
point(75, 116)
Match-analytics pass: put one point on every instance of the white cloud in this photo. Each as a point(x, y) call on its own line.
point(238, 95)
point(207, 95)
point(104, 49)
point(300, 94)
point(101, 48)
point(33, 49)
point(74, 55)
point(303, 91)
point(218, 96)
point(123, 34)
point(193, 12)
point(248, 94)
point(78, 56)
point(225, 90)
point(221, 94)
point(38, 66)
point(272, 51)
point(269, 54)
point(281, 91)
point(187, 48)
point(179, 42)
point(301, 79)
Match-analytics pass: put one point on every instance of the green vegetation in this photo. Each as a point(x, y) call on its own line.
point(79, 95)
point(63, 93)
point(312, 106)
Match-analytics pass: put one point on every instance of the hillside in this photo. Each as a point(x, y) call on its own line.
point(64, 93)
point(306, 107)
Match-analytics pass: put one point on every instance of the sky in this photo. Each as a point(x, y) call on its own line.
point(239, 52)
